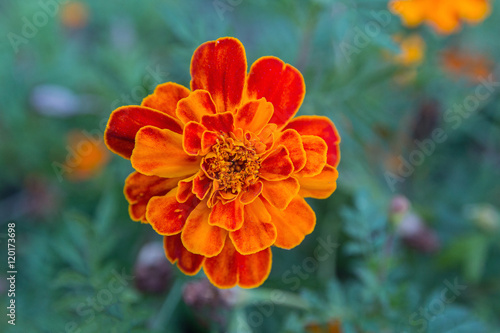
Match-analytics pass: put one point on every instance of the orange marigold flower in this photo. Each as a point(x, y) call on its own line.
point(90, 157)
point(444, 16)
point(222, 168)
point(412, 50)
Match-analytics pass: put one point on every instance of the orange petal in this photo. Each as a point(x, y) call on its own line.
point(219, 123)
point(320, 186)
point(124, 123)
point(280, 193)
point(231, 268)
point(196, 105)
point(322, 127)
point(473, 11)
point(228, 216)
point(139, 189)
point(293, 143)
point(208, 139)
point(165, 98)
point(191, 139)
point(254, 115)
point(188, 263)
point(159, 153)
point(220, 68)
point(185, 189)
point(199, 237)
point(201, 185)
point(316, 150)
point(293, 223)
point(166, 215)
point(257, 233)
point(251, 193)
point(277, 165)
point(280, 83)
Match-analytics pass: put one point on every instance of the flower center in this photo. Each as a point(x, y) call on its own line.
point(233, 164)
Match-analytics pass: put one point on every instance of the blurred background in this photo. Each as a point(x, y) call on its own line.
point(409, 242)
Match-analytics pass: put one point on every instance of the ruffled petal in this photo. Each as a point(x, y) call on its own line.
point(293, 143)
point(251, 193)
point(228, 216)
point(280, 83)
point(188, 263)
point(231, 268)
point(257, 232)
point(320, 186)
point(165, 98)
point(220, 67)
point(196, 105)
point(192, 137)
point(139, 189)
point(293, 223)
point(201, 185)
point(159, 153)
point(277, 165)
point(322, 127)
point(316, 150)
point(254, 115)
point(280, 193)
point(219, 123)
point(166, 215)
point(199, 237)
point(126, 121)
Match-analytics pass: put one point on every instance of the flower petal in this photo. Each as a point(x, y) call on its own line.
point(231, 268)
point(221, 122)
point(199, 237)
point(257, 233)
point(159, 153)
point(196, 105)
point(185, 189)
point(188, 263)
point(228, 216)
point(220, 68)
point(201, 185)
point(292, 141)
point(316, 150)
point(280, 83)
point(165, 98)
point(320, 186)
point(124, 123)
point(139, 189)
point(254, 115)
point(293, 223)
point(191, 139)
point(277, 165)
point(166, 215)
point(251, 193)
point(280, 193)
point(322, 127)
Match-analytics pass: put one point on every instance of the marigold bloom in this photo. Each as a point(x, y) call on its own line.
point(90, 157)
point(444, 16)
point(222, 168)
point(412, 50)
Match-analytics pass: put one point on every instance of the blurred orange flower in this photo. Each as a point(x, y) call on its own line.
point(90, 157)
point(74, 14)
point(445, 16)
point(222, 168)
point(412, 50)
point(463, 64)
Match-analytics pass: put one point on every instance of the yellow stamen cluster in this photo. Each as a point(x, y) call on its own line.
point(233, 164)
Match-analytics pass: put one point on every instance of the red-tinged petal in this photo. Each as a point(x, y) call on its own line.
point(188, 263)
point(208, 139)
point(322, 127)
point(320, 186)
point(201, 185)
point(277, 165)
point(280, 193)
point(267, 134)
point(292, 141)
point(139, 189)
point(316, 150)
point(185, 188)
point(165, 98)
point(280, 83)
point(191, 139)
point(251, 193)
point(222, 122)
point(166, 215)
point(228, 216)
point(254, 115)
point(159, 153)
point(195, 106)
point(220, 67)
point(257, 232)
point(126, 121)
point(231, 268)
point(293, 223)
point(199, 237)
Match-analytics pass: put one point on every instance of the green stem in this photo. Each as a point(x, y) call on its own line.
point(168, 307)
point(275, 296)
